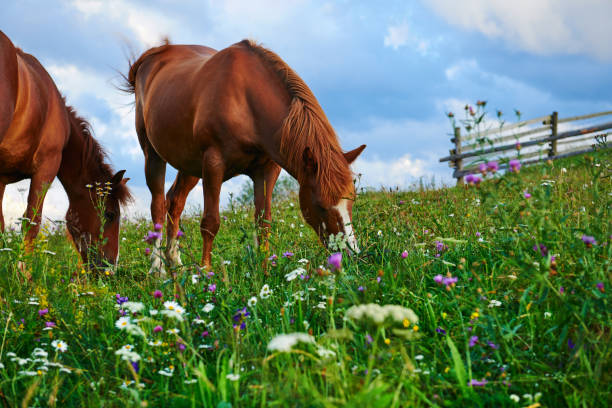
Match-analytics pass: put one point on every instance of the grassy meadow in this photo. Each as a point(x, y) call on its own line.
point(502, 294)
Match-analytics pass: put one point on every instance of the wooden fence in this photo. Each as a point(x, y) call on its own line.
point(554, 138)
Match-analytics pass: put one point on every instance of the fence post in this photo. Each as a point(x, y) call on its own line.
point(458, 162)
point(553, 126)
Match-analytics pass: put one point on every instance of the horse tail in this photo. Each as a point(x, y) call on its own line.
point(129, 79)
point(9, 83)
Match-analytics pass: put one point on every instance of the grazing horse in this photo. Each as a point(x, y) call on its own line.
point(242, 110)
point(41, 138)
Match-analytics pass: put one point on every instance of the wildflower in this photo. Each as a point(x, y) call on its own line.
point(208, 308)
point(240, 318)
point(588, 240)
point(174, 310)
point(173, 331)
point(570, 344)
point(121, 299)
point(450, 114)
point(157, 329)
point(133, 307)
point(404, 254)
point(287, 254)
point(43, 312)
point(152, 236)
point(252, 301)
point(492, 345)
point(233, 377)
point(472, 179)
point(387, 341)
point(473, 341)
point(547, 315)
point(335, 260)
point(265, 291)
point(361, 288)
point(180, 234)
point(476, 383)
point(378, 314)
point(482, 167)
point(526, 194)
point(158, 294)
point(212, 287)
point(515, 398)
point(561, 290)
point(600, 287)
point(515, 165)
point(492, 166)
point(123, 323)
point(379, 233)
point(158, 227)
point(59, 345)
point(447, 281)
point(440, 330)
point(167, 372)
point(285, 342)
point(494, 303)
point(148, 251)
point(49, 325)
point(542, 248)
point(295, 273)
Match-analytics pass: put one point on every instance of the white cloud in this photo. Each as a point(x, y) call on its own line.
point(400, 35)
point(459, 68)
point(148, 25)
point(398, 172)
point(542, 27)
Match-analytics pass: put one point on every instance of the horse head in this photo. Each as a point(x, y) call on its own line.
point(328, 218)
point(93, 222)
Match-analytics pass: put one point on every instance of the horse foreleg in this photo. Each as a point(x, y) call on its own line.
point(39, 185)
point(175, 202)
point(212, 178)
point(155, 174)
point(263, 186)
point(2, 186)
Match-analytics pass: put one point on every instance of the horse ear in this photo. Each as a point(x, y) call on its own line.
point(309, 162)
point(353, 154)
point(116, 179)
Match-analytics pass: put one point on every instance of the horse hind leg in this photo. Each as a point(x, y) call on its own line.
point(175, 202)
point(155, 173)
point(2, 186)
point(263, 186)
point(39, 185)
point(212, 177)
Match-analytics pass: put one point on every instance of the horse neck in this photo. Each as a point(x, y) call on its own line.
point(75, 170)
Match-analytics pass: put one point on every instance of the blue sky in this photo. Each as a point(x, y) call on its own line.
point(385, 75)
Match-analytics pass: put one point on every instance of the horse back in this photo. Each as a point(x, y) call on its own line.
point(37, 125)
point(8, 83)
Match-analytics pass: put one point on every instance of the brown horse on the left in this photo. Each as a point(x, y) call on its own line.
point(41, 138)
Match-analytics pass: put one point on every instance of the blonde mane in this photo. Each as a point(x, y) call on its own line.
point(307, 126)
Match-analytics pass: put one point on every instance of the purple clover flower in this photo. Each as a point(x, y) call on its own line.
point(368, 338)
point(361, 288)
point(152, 236)
point(589, 240)
point(49, 324)
point(158, 227)
point(438, 279)
point(157, 329)
point(515, 165)
point(43, 312)
point(158, 294)
point(404, 254)
point(600, 287)
point(335, 261)
point(482, 167)
point(476, 383)
point(492, 166)
point(287, 254)
point(542, 248)
point(492, 345)
point(180, 234)
point(473, 341)
point(212, 287)
point(526, 194)
point(273, 257)
point(472, 179)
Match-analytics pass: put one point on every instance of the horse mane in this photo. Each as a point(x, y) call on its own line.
point(129, 80)
point(95, 156)
point(307, 126)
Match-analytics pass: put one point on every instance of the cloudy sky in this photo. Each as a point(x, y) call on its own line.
point(384, 75)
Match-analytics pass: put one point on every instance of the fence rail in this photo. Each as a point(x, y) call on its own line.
point(548, 144)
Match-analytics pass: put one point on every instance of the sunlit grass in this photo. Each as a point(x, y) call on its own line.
point(527, 320)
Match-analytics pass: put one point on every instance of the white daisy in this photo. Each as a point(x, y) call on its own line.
point(59, 345)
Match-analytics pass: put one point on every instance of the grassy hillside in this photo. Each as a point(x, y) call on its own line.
point(513, 307)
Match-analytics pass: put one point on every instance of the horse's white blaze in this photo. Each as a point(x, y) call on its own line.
point(157, 264)
point(342, 209)
point(173, 254)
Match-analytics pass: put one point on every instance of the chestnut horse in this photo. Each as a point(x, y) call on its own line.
point(41, 138)
point(242, 110)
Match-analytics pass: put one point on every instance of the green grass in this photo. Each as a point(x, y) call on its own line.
point(536, 341)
